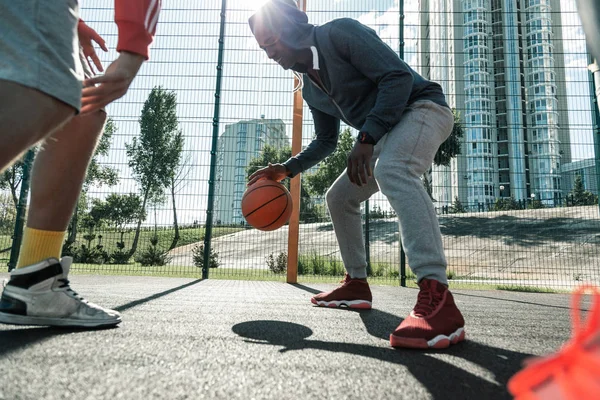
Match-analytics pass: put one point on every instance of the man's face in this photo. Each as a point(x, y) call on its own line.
point(270, 42)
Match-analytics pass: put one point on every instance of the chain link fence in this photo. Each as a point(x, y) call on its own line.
point(517, 206)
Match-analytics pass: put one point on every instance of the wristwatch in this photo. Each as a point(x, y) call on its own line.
point(365, 138)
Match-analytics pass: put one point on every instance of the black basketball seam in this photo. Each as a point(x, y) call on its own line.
point(273, 199)
point(275, 220)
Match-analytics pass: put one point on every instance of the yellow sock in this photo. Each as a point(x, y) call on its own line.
point(39, 245)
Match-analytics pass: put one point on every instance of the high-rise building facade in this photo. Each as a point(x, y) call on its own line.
point(237, 146)
point(510, 64)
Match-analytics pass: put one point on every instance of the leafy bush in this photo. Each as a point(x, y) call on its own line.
point(376, 212)
point(336, 267)
point(457, 207)
point(198, 257)
point(278, 264)
point(506, 204)
point(153, 256)
point(68, 250)
point(90, 255)
point(119, 257)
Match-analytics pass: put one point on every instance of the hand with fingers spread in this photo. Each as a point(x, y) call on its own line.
point(359, 163)
point(276, 172)
point(86, 36)
point(102, 90)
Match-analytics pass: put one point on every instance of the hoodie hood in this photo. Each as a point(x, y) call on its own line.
point(285, 18)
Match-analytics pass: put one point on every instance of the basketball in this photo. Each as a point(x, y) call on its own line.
point(267, 205)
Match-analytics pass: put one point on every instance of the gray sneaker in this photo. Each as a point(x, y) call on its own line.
point(40, 295)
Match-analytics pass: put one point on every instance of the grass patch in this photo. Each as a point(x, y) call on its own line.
point(529, 289)
point(266, 275)
point(165, 237)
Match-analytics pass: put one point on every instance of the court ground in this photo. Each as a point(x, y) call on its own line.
point(218, 339)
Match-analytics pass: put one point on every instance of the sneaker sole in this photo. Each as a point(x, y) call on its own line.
point(359, 304)
point(45, 321)
point(438, 342)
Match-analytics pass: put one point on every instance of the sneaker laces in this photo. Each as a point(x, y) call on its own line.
point(574, 356)
point(427, 300)
point(66, 285)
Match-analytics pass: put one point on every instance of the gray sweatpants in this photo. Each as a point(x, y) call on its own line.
point(399, 159)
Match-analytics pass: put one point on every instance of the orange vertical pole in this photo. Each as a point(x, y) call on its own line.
point(294, 226)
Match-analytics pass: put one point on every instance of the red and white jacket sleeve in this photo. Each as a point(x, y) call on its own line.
point(136, 20)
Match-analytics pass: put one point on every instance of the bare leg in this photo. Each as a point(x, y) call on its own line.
point(26, 117)
point(59, 171)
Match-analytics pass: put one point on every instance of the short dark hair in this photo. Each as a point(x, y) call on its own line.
point(270, 14)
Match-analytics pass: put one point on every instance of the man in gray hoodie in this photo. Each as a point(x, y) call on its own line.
point(351, 75)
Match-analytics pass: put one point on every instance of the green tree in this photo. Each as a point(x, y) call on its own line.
point(119, 211)
point(8, 214)
point(535, 204)
point(580, 196)
point(447, 151)
point(177, 182)
point(376, 212)
point(332, 166)
point(11, 180)
point(451, 147)
point(457, 207)
point(96, 175)
point(151, 157)
point(506, 204)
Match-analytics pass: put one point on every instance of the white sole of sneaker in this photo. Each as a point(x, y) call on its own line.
point(45, 321)
point(360, 304)
point(438, 342)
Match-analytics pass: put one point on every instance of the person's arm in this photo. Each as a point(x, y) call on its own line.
point(136, 20)
point(86, 37)
point(361, 46)
point(327, 129)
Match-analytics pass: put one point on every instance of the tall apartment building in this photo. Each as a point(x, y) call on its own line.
point(240, 143)
point(513, 105)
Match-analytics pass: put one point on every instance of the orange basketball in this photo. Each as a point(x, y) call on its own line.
point(267, 205)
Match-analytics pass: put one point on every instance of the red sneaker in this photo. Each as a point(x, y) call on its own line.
point(571, 373)
point(435, 322)
point(353, 293)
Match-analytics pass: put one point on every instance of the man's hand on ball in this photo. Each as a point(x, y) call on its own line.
point(276, 172)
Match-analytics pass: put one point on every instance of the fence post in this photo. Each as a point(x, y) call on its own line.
point(595, 84)
point(294, 225)
point(213, 151)
point(367, 238)
point(402, 266)
point(21, 210)
point(401, 54)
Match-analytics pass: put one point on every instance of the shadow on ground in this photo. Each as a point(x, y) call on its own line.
point(16, 339)
point(438, 376)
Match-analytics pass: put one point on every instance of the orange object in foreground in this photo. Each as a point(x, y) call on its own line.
point(267, 205)
point(574, 371)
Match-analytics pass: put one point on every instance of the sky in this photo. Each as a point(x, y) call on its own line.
point(184, 58)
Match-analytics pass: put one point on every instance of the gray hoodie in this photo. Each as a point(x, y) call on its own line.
point(366, 85)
